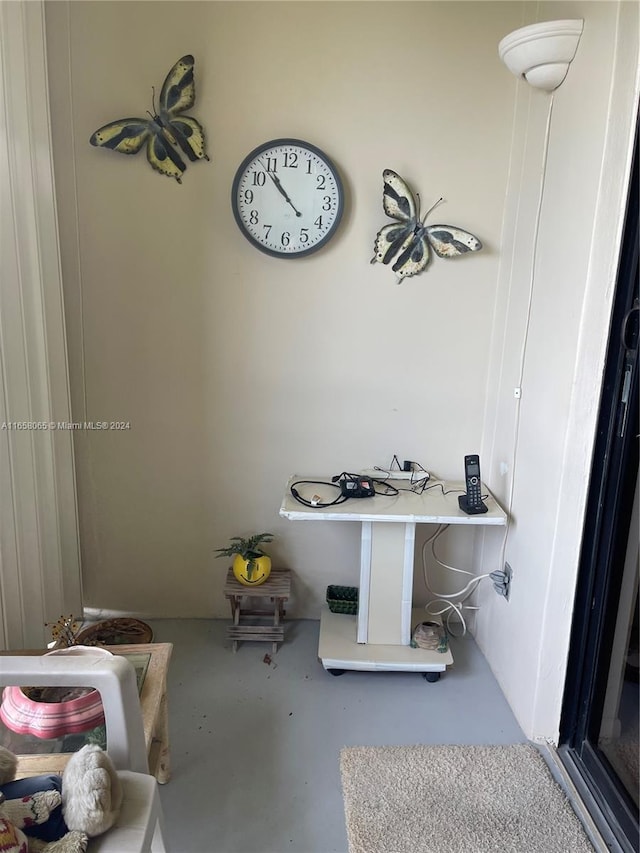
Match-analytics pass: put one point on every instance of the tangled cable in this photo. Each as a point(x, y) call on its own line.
point(449, 603)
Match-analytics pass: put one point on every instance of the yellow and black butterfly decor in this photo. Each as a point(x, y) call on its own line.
point(164, 130)
point(408, 240)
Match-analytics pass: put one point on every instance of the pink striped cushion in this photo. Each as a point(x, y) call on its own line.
point(50, 719)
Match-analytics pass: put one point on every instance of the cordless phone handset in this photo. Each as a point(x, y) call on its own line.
point(471, 502)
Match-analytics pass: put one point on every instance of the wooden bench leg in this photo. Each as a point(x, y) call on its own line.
point(276, 620)
point(164, 764)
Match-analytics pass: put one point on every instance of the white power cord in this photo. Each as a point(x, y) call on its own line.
point(450, 608)
point(525, 337)
point(449, 603)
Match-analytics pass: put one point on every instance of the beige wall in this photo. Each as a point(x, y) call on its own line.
point(236, 369)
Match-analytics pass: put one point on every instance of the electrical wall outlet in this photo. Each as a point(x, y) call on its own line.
point(502, 581)
point(507, 583)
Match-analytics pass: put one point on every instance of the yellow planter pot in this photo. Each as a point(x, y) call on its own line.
point(251, 572)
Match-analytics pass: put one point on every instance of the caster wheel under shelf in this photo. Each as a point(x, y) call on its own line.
point(336, 671)
point(431, 677)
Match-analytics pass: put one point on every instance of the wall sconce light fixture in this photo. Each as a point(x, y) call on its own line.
point(541, 53)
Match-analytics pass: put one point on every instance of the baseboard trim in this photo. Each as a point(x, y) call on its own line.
point(96, 614)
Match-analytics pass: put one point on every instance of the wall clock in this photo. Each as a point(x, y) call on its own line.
point(287, 198)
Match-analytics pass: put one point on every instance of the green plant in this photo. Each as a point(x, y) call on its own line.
point(249, 549)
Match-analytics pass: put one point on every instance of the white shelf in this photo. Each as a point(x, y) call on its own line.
point(338, 648)
point(430, 507)
point(378, 638)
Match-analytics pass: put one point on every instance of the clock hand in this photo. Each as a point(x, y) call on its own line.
point(281, 189)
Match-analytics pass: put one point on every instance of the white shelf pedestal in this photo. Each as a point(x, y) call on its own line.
point(379, 638)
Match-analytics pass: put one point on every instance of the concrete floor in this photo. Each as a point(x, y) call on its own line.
point(255, 745)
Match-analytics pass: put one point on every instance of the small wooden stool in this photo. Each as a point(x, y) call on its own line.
point(277, 587)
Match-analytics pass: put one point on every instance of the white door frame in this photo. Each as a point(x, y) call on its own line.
point(39, 543)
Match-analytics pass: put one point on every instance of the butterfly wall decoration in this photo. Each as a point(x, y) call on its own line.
point(408, 241)
point(166, 130)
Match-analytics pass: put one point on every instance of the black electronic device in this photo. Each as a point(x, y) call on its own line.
point(354, 486)
point(471, 502)
point(350, 486)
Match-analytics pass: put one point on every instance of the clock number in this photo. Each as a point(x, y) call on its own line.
point(248, 196)
point(321, 182)
point(286, 238)
point(304, 236)
point(326, 202)
point(253, 217)
point(267, 229)
point(258, 179)
point(318, 222)
point(290, 160)
point(271, 164)
point(308, 167)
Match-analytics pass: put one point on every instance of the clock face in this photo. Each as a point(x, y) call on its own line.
point(287, 198)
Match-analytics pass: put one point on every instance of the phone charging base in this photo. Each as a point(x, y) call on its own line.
point(471, 510)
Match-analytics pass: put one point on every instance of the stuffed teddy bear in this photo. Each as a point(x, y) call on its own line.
point(58, 814)
point(31, 811)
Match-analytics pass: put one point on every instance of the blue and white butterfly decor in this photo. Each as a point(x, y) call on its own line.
point(409, 240)
point(165, 130)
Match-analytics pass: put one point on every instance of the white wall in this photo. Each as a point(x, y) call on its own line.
point(236, 369)
point(569, 275)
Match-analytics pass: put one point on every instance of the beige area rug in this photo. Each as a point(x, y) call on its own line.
point(456, 799)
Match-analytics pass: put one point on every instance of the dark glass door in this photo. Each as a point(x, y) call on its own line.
point(599, 724)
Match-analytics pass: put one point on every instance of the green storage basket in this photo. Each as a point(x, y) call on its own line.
point(343, 599)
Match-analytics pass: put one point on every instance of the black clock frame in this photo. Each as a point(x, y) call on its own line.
point(265, 146)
